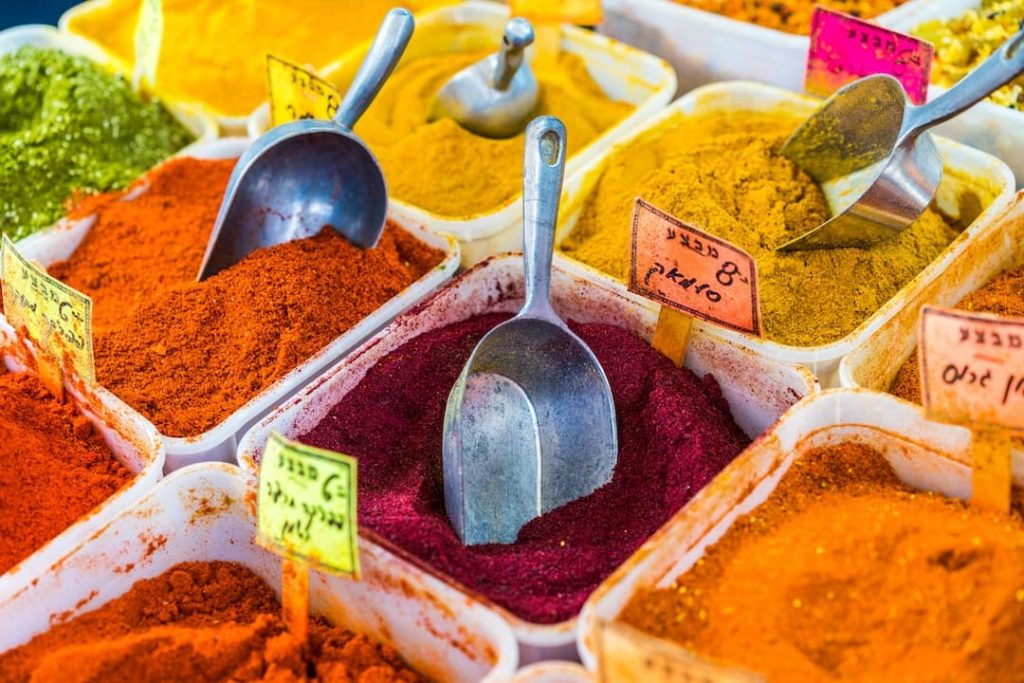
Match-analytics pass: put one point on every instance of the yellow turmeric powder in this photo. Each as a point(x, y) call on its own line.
point(724, 174)
point(442, 168)
point(791, 16)
point(214, 51)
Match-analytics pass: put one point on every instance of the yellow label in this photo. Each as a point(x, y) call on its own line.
point(297, 94)
point(306, 505)
point(582, 12)
point(55, 317)
point(149, 33)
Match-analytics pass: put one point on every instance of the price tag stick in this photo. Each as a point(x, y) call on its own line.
point(692, 275)
point(295, 597)
point(972, 374)
point(149, 33)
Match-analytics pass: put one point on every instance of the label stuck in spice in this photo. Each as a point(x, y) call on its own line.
point(972, 367)
point(57, 318)
point(683, 267)
point(149, 33)
point(295, 93)
point(306, 505)
point(580, 12)
point(844, 49)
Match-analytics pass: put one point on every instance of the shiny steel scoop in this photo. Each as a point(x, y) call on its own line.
point(494, 97)
point(530, 423)
point(298, 177)
point(868, 150)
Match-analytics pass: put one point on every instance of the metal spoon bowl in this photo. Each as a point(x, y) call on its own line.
point(298, 177)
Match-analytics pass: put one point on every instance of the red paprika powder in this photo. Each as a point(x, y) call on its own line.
point(675, 435)
point(198, 622)
point(54, 468)
point(186, 354)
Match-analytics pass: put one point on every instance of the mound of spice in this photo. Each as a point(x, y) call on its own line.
point(186, 354)
point(54, 468)
point(1002, 296)
point(675, 435)
point(198, 622)
point(214, 51)
point(845, 573)
point(723, 172)
point(965, 41)
point(443, 168)
point(791, 16)
point(67, 126)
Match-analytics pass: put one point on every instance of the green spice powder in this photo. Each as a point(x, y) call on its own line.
point(65, 126)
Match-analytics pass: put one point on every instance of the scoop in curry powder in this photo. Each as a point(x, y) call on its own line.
point(67, 126)
point(723, 173)
point(186, 354)
point(845, 573)
point(199, 622)
point(441, 167)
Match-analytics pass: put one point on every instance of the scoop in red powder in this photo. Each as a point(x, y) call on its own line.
point(675, 435)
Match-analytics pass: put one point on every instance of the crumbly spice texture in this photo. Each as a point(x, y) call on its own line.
point(443, 168)
point(724, 174)
point(199, 622)
point(791, 16)
point(67, 126)
point(54, 468)
point(675, 435)
point(844, 573)
point(186, 354)
point(1002, 296)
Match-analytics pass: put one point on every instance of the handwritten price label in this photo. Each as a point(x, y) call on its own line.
point(149, 33)
point(306, 505)
point(581, 12)
point(844, 49)
point(297, 94)
point(630, 656)
point(972, 367)
point(57, 318)
point(691, 271)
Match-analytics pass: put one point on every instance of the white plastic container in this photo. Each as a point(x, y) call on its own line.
point(925, 455)
point(986, 173)
point(192, 118)
point(624, 73)
point(991, 127)
point(202, 514)
point(553, 672)
point(705, 47)
point(219, 442)
point(131, 439)
point(758, 390)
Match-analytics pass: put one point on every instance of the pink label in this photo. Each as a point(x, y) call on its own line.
point(972, 367)
point(844, 49)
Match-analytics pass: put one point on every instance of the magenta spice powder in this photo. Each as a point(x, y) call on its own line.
point(675, 434)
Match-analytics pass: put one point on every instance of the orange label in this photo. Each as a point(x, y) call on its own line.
point(972, 367)
point(692, 271)
point(582, 12)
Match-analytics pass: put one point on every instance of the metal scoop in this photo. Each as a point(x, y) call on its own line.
point(298, 177)
point(868, 150)
point(530, 424)
point(494, 97)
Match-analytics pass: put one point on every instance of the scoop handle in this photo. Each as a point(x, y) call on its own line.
point(543, 168)
point(518, 36)
point(389, 44)
point(999, 69)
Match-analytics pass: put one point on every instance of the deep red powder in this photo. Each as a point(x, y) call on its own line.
point(675, 434)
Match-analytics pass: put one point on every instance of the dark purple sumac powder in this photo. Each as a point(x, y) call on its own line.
point(675, 434)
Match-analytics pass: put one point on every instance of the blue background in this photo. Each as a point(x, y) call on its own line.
point(14, 12)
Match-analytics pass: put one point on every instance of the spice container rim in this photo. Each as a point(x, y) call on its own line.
point(192, 117)
point(479, 290)
point(229, 124)
point(940, 463)
point(823, 359)
point(123, 430)
point(181, 520)
point(213, 443)
point(653, 71)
